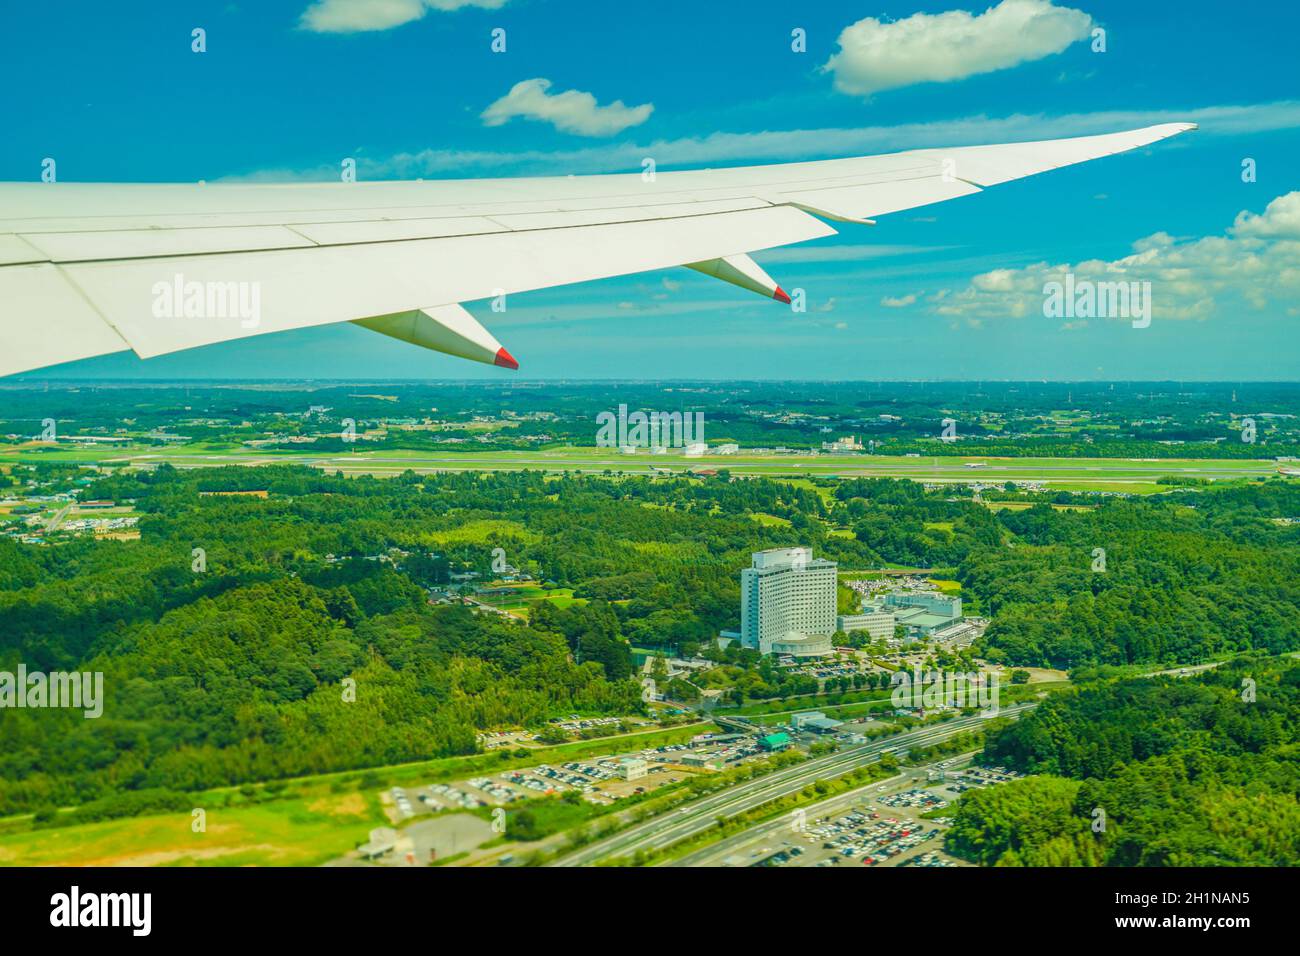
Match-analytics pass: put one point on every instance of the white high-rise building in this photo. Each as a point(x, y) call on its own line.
point(787, 603)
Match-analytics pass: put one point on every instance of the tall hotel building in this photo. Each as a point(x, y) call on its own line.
point(787, 603)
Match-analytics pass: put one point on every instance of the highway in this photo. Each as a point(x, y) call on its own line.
point(768, 830)
point(700, 815)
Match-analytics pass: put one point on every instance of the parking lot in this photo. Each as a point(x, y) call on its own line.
point(884, 827)
point(597, 779)
point(869, 837)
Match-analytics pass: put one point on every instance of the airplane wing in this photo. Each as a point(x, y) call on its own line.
point(88, 269)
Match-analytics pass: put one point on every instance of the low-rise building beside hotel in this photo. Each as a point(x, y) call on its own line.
point(878, 622)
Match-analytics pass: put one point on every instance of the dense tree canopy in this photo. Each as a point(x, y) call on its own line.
point(235, 672)
point(1163, 771)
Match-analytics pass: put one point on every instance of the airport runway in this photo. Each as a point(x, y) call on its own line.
point(1119, 471)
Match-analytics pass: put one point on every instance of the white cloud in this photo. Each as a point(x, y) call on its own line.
point(899, 302)
point(360, 16)
point(1254, 266)
point(779, 145)
point(572, 111)
point(940, 48)
point(1281, 220)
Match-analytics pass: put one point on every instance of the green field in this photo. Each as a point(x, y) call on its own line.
point(317, 819)
point(299, 831)
point(524, 596)
point(481, 532)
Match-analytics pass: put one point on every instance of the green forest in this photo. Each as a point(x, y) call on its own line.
point(1186, 576)
point(238, 671)
point(1161, 771)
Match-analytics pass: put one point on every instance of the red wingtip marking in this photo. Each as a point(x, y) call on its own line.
point(505, 359)
point(780, 295)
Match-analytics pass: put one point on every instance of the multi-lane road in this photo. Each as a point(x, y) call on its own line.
point(699, 815)
point(767, 831)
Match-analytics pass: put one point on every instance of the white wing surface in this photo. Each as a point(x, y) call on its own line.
point(87, 269)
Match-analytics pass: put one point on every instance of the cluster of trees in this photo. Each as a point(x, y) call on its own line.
point(1156, 771)
point(227, 631)
point(271, 660)
point(907, 525)
point(1177, 579)
point(230, 667)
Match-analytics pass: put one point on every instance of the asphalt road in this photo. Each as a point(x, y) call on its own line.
point(57, 519)
point(700, 815)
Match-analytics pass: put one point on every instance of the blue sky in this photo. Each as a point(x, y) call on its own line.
point(951, 291)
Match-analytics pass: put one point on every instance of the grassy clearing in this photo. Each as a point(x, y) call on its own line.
point(1026, 505)
point(482, 531)
point(304, 830)
point(526, 595)
point(1132, 487)
point(316, 819)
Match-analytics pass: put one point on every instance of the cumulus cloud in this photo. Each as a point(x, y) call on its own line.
point(1281, 220)
point(1254, 265)
point(899, 302)
point(572, 111)
point(361, 16)
point(940, 48)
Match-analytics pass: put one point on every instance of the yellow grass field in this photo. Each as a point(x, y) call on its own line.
point(294, 831)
